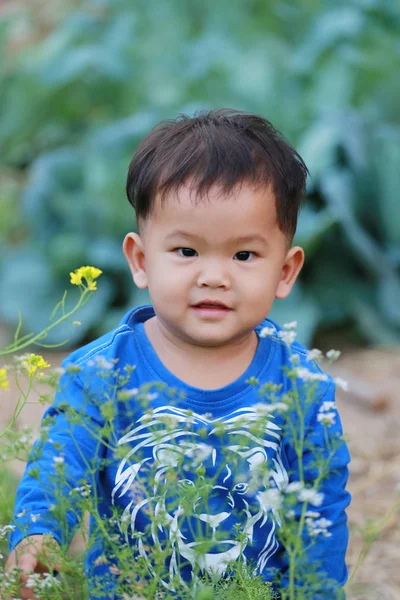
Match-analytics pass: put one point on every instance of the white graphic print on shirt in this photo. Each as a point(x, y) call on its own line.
point(171, 441)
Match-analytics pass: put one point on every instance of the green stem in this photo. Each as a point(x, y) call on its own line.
point(16, 347)
point(371, 536)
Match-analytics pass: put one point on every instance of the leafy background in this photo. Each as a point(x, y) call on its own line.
point(82, 82)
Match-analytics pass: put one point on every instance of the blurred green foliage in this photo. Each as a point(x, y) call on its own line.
point(82, 82)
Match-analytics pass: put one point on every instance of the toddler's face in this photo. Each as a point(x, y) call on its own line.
point(226, 249)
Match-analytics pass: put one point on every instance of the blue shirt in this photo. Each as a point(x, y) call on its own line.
point(137, 440)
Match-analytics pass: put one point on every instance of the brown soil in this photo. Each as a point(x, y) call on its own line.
point(370, 413)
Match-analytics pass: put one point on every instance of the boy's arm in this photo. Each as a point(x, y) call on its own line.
point(66, 457)
point(325, 533)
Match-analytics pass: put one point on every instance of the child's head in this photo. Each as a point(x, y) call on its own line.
point(198, 184)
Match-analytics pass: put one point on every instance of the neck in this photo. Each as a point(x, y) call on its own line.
point(207, 367)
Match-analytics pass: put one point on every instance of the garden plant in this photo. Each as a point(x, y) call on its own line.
point(293, 506)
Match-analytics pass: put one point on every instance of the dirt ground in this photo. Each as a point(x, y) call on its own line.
point(370, 412)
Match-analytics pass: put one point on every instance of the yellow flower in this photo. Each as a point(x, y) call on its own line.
point(87, 273)
point(3, 379)
point(33, 362)
point(76, 278)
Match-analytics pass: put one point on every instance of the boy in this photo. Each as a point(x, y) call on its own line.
point(217, 198)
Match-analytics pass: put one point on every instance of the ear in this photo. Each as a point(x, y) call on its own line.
point(291, 268)
point(134, 253)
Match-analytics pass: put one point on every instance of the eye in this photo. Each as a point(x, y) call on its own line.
point(244, 255)
point(241, 488)
point(186, 252)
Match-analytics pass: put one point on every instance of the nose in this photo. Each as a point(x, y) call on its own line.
point(213, 274)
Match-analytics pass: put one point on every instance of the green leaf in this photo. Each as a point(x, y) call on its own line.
point(27, 285)
point(312, 227)
point(337, 187)
point(387, 160)
point(372, 325)
point(388, 296)
point(301, 307)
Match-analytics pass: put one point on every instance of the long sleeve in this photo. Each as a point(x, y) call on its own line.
point(325, 533)
point(64, 461)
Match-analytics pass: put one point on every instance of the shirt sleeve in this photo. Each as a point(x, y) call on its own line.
point(321, 567)
point(63, 464)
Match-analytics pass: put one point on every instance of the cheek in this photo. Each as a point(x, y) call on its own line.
point(167, 277)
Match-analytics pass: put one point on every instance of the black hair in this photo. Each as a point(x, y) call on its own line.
point(226, 147)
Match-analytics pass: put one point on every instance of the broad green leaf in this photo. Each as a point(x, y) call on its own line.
point(301, 307)
point(337, 187)
point(312, 227)
point(373, 326)
point(387, 161)
point(388, 295)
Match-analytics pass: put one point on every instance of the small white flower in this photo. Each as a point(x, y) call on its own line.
point(266, 331)
point(5, 530)
point(327, 406)
point(311, 497)
point(83, 490)
point(199, 452)
point(35, 518)
point(33, 580)
point(270, 499)
point(312, 514)
point(294, 486)
point(323, 523)
point(317, 527)
point(127, 393)
point(327, 418)
point(170, 421)
point(333, 354)
point(22, 513)
point(341, 383)
point(287, 336)
point(58, 459)
point(291, 325)
point(295, 359)
point(280, 406)
point(151, 397)
point(48, 581)
point(103, 363)
point(314, 354)
point(306, 375)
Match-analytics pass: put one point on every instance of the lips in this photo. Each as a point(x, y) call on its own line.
point(211, 304)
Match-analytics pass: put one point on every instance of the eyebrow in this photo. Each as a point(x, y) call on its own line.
point(242, 239)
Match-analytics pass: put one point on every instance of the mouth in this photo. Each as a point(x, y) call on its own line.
point(211, 310)
point(211, 305)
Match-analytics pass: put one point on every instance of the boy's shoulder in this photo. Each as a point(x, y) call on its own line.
point(118, 344)
point(290, 352)
point(113, 344)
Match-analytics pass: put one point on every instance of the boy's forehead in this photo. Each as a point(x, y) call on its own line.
point(245, 205)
